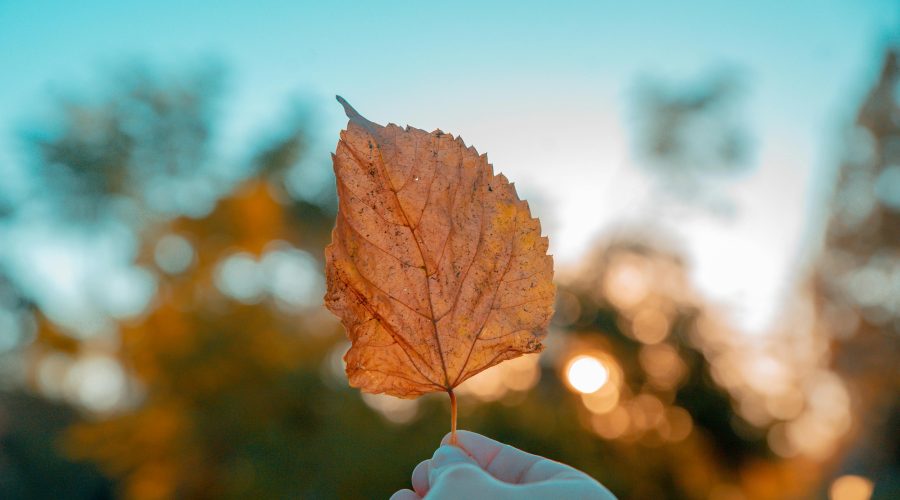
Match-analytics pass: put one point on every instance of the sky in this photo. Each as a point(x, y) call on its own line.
point(543, 88)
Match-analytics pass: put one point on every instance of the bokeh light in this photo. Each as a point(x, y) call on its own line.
point(174, 254)
point(850, 487)
point(96, 382)
point(395, 410)
point(586, 374)
point(513, 376)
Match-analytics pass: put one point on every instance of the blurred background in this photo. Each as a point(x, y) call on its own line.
point(720, 184)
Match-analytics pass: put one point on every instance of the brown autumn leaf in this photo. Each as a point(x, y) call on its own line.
point(436, 268)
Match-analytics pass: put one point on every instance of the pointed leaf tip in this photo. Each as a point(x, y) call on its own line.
point(348, 109)
point(354, 115)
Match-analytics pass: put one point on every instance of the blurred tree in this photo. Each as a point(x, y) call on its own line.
point(693, 127)
point(857, 281)
point(691, 136)
point(17, 325)
point(147, 142)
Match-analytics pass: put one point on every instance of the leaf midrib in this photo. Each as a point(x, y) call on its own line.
point(412, 230)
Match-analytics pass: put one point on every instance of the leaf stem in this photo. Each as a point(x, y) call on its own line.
point(453, 440)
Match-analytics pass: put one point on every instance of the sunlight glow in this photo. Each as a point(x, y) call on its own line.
point(586, 374)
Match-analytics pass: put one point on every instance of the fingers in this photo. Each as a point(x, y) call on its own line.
point(405, 495)
point(445, 457)
point(469, 482)
point(509, 464)
point(461, 478)
point(481, 448)
point(420, 478)
point(480, 467)
point(455, 474)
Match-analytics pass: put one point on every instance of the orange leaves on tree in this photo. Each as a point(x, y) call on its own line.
point(436, 268)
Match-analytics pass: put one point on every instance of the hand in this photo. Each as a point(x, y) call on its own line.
point(480, 467)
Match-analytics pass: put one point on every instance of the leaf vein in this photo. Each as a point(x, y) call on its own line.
point(405, 346)
point(519, 304)
point(471, 262)
point(493, 298)
point(370, 242)
point(437, 339)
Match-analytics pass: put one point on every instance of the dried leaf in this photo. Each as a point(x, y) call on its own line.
point(436, 268)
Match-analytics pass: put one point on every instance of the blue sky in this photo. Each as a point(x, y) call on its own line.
point(543, 88)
